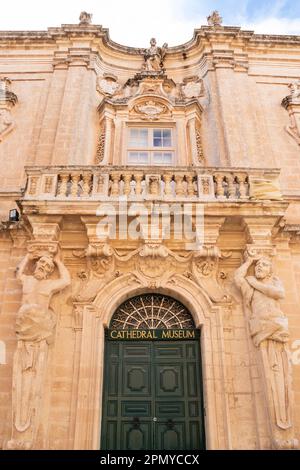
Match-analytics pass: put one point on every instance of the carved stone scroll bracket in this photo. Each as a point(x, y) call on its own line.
point(258, 251)
point(37, 249)
point(205, 270)
point(292, 104)
point(8, 100)
point(100, 269)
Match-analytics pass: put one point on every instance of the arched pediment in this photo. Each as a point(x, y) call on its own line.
point(150, 107)
point(179, 287)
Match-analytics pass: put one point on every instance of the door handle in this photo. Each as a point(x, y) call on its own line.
point(155, 420)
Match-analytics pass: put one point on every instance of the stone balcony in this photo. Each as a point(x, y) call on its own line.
point(94, 183)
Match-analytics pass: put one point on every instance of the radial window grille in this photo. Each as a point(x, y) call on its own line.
point(151, 311)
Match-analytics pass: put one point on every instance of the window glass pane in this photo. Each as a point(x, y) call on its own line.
point(157, 158)
point(163, 158)
point(143, 157)
point(162, 138)
point(167, 138)
point(157, 142)
point(157, 138)
point(168, 158)
point(138, 158)
point(138, 137)
point(157, 133)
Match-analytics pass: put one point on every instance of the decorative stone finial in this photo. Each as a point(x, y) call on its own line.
point(85, 18)
point(214, 19)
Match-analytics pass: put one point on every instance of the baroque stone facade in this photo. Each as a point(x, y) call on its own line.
point(100, 141)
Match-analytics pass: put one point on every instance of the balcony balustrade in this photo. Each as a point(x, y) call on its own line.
point(75, 183)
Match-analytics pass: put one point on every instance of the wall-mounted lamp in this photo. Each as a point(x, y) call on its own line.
point(14, 215)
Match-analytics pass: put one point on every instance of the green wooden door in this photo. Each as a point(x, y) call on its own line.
point(152, 396)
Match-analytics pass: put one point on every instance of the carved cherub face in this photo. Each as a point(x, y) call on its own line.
point(153, 42)
point(263, 268)
point(44, 267)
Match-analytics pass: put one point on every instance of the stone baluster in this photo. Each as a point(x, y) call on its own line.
point(154, 185)
point(242, 185)
point(64, 178)
point(115, 187)
point(190, 185)
point(231, 186)
point(86, 187)
point(138, 179)
point(127, 180)
point(33, 185)
point(75, 178)
point(219, 186)
point(179, 185)
point(167, 181)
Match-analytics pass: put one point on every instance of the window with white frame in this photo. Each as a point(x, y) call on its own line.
point(151, 146)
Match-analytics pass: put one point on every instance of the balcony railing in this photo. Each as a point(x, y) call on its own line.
point(150, 183)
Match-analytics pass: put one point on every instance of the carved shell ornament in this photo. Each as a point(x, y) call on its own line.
point(150, 110)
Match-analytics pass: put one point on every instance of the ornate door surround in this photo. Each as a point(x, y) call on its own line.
point(91, 322)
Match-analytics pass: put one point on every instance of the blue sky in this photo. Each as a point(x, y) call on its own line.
point(133, 22)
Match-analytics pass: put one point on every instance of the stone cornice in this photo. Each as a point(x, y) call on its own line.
point(204, 34)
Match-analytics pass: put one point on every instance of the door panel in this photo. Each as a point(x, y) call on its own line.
point(152, 396)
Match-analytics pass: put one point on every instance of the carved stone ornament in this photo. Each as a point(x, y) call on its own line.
point(150, 110)
point(35, 326)
point(154, 57)
point(7, 101)
point(214, 19)
point(85, 18)
point(101, 143)
point(268, 327)
point(292, 104)
point(100, 268)
point(108, 85)
point(151, 262)
point(192, 88)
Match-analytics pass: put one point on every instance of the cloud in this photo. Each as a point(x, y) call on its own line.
point(134, 22)
point(275, 26)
